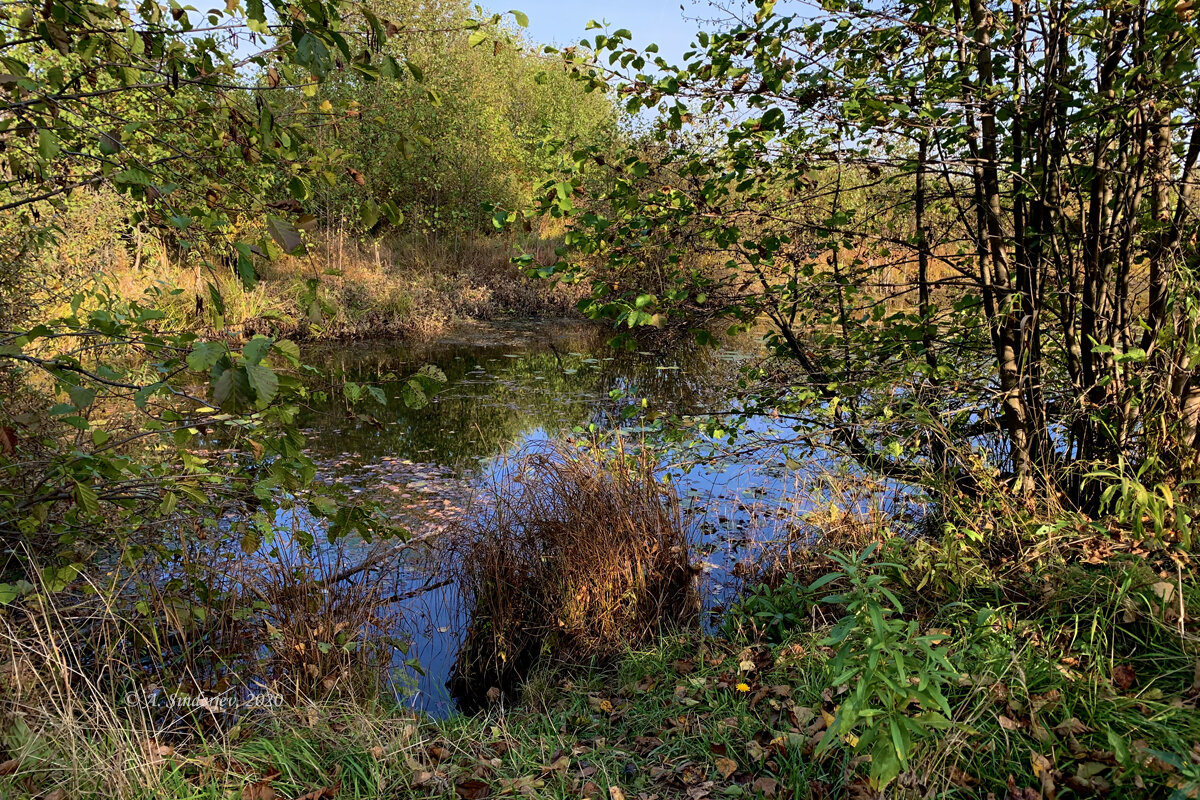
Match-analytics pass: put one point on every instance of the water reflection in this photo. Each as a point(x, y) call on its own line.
point(506, 386)
point(511, 386)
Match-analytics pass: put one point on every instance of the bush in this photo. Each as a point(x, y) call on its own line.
point(581, 551)
point(769, 612)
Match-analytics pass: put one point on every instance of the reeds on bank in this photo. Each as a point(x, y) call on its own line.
point(582, 552)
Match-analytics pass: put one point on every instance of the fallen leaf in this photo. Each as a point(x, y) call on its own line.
point(259, 790)
point(615, 793)
point(1022, 793)
point(599, 705)
point(1008, 724)
point(471, 789)
point(1124, 677)
point(960, 778)
point(560, 765)
point(768, 786)
point(57, 794)
point(321, 794)
point(726, 767)
point(1043, 770)
point(438, 753)
point(1073, 726)
point(526, 786)
point(9, 767)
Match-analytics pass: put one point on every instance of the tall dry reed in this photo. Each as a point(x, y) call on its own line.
point(581, 552)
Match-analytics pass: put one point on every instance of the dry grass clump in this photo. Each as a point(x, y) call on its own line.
point(105, 681)
point(328, 624)
point(831, 511)
point(580, 552)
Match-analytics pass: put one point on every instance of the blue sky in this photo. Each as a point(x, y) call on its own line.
point(563, 22)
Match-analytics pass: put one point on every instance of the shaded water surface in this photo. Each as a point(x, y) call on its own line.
point(510, 386)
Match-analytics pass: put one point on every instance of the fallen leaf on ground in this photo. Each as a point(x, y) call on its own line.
point(599, 705)
point(615, 793)
point(726, 767)
point(9, 767)
point(1071, 726)
point(471, 790)
point(1008, 723)
point(1043, 770)
point(961, 778)
point(259, 790)
point(1124, 677)
point(527, 786)
point(560, 764)
point(768, 786)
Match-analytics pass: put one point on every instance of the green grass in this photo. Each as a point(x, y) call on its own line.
point(1083, 683)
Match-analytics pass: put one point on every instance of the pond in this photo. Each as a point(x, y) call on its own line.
point(510, 386)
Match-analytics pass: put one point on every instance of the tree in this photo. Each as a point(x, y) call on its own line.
point(108, 403)
point(971, 226)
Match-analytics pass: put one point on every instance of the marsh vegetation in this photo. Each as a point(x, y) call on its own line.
point(391, 404)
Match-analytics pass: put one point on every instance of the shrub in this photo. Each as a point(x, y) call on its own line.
point(896, 676)
point(769, 612)
point(581, 551)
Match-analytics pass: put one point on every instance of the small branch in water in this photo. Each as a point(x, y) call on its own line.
point(428, 587)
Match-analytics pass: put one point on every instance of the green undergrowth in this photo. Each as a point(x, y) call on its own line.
point(1077, 679)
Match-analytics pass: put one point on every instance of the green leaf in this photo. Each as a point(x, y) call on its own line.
point(256, 349)
point(521, 17)
point(47, 143)
point(110, 143)
point(311, 52)
point(289, 349)
point(264, 382)
point(86, 498)
point(285, 235)
point(225, 387)
point(393, 214)
point(81, 396)
point(433, 373)
point(369, 214)
point(205, 355)
point(477, 38)
point(413, 394)
point(8, 593)
point(246, 271)
point(256, 11)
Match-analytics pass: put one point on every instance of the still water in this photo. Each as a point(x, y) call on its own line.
point(510, 387)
